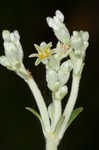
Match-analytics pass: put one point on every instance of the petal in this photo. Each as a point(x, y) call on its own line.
point(37, 61)
point(38, 48)
point(43, 45)
point(49, 45)
point(33, 55)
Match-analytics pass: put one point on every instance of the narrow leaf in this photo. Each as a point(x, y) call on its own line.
point(34, 112)
point(37, 115)
point(74, 115)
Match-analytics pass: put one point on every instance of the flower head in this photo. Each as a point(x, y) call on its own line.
point(60, 30)
point(79, 42)
point(13, 58)
point(44, 51)
point(13, 50)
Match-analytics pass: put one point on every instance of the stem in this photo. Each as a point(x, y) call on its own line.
point(70, 104)
point(51, 144)
point(40, 103)
point(57, 113)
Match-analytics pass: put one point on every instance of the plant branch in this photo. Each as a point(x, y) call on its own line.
point(57, 113)
point(70, 104)
point(40, 103)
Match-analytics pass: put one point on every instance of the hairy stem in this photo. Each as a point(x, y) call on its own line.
point(57, 113)
point(51, 144)
point(40, 103)
point(70, 104)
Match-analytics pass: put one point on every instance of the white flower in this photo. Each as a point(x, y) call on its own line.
point(60, 30)
point(79, 42)
point(13, 58)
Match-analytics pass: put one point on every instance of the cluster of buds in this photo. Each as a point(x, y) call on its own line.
point(57, 73)
point(13, 58)
point(73, 48)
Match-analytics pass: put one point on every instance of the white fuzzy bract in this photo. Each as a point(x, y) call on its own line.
point(60, 30)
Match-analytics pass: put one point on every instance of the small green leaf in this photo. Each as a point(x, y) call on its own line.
point(74, 115)
point(34, 112)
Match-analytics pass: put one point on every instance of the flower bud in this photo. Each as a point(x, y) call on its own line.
point(79, 42)
point(13, 58)
point(52, 80)
point(64, 72)
point(60, 30)
point(61, 93)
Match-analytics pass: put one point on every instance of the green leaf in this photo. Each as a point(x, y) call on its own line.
point(74, 115)
point(34, 112)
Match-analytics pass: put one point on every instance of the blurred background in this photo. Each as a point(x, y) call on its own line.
point(19, 129)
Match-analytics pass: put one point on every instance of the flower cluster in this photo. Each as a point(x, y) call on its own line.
point(13, 58)
point(57, 73)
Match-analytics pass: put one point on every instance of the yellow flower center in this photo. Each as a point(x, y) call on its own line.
point(44, 54)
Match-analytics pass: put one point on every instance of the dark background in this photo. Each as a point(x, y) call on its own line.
point(19, 129)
